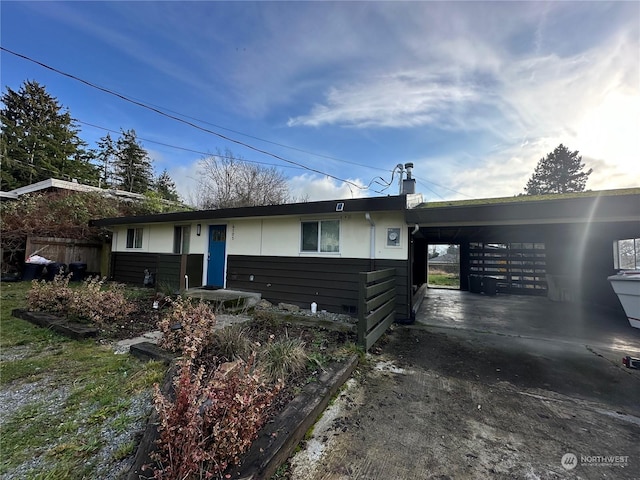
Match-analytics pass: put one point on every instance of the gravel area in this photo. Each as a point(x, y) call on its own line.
point(50, 400)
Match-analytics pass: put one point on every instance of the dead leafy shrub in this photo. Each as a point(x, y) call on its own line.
point(211, 422)
point(99, 303)
point(231, 343)
point(92, 301)
point(187, 327)
point(283, 358)
point(52, 297)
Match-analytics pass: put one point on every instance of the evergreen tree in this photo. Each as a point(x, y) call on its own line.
point(561, 171)
point(166, 188)
point(133, 167)
point(106, 155)
point(39, 140)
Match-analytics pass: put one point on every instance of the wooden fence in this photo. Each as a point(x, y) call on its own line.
point(376, 306)
point(67, 250)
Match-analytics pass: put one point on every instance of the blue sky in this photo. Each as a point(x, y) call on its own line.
point(474, 94)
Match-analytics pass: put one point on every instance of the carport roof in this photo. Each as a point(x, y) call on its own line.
point(594, 206)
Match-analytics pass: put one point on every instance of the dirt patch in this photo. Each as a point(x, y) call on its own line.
point(440, 406)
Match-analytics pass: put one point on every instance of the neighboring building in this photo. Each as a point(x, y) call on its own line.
point(52, 184)
point(558, 246)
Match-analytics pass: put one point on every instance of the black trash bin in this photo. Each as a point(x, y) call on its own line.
point(475, 283)
point(77, 270)
point(32, 271)
point(54, 269)
point(490, 285)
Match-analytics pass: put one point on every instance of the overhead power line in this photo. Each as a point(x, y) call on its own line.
point(423, 182)
point(178, 119)
point(187, 149)
point(375, 180)
point(297, 149)
point(294, 164)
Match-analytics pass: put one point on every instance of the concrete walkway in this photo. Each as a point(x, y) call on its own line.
point(246, 299)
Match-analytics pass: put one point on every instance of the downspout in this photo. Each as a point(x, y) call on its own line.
point(372, 241)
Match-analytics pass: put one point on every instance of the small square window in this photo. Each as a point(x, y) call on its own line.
point(134, 237)
point(322, 236)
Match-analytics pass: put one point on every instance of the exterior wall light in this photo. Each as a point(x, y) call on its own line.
point(198, 229)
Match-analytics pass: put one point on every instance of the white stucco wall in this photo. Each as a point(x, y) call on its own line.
point(281, 236)
point(278, 236)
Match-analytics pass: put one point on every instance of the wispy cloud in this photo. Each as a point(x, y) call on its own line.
point(404, 99)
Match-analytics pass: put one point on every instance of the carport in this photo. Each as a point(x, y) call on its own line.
point(557, 246)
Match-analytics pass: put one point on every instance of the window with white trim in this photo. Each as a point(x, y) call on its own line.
point(134, 237)
point(321, 236)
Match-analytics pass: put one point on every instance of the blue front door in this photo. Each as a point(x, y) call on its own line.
point(215, 262)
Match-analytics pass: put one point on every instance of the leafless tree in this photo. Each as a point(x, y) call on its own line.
point(226, 180)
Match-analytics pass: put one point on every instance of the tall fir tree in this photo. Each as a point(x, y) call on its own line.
point(39, 140)
point(133, 168)
point(166, 188)
point(106, 157)
point(561, 171)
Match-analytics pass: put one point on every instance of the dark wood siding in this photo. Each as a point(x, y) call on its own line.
point(168, 271)
point(330, 282)
point(129, 267)
point(194, 269)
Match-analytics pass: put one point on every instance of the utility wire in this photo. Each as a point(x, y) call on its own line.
point(209, 154)
point(297, 165)
point(382, 183)
point(423, 183)
point(297, 149)
point(178, 119)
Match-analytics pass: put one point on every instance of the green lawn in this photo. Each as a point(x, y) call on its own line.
point(64, 400)
point(444, 279)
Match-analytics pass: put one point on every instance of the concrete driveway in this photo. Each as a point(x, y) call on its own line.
point(529, 317)
point(493, 387)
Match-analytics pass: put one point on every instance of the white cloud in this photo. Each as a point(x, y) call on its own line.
point(314, 188)
point(185, 178)
point(404, 99)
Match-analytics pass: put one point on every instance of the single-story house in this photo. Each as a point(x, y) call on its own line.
point(296, 253)
point(559, 246)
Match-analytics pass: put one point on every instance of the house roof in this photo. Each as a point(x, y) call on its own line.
point(370, 204)
point(54, 183)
